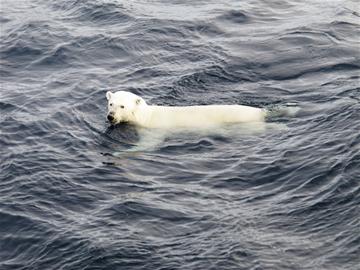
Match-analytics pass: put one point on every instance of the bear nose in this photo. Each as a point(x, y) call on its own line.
point(110, 117)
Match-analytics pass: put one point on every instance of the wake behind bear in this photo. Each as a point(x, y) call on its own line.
point(126, 107)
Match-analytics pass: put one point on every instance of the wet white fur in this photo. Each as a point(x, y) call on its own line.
point(128, 107)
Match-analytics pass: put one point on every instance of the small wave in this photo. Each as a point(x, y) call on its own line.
point(203, 145)
point(91, 49)
point(93, 11)
point(216, 74)
point(60, 55)
point(4, 19)
point(234, 16)
point(140, 210)
point(20, 51)
point(28, 42)
point(282, 72)
point(7, 107)
point(205, 29)
point(306, 36)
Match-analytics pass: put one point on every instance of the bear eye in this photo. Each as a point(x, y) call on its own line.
point(122, 106)
point(110, 104)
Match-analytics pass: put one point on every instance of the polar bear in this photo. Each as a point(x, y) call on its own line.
point(130, 108)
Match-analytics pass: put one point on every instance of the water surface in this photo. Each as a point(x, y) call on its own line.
point(78, 194)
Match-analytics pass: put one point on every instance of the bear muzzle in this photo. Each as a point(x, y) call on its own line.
point(110, 117)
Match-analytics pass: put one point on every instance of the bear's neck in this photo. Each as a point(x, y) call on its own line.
point(143, 115)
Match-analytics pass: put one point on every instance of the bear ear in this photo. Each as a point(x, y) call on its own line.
point(108, 95)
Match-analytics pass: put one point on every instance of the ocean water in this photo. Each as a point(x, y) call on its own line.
point(76, 193)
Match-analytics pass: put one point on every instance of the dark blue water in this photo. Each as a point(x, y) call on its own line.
point(78, 194)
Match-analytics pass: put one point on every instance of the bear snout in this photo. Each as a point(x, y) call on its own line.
point(110, 117)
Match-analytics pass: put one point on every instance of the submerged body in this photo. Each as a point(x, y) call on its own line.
point(128, 107)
